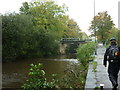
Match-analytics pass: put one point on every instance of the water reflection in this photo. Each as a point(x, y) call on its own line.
point(15, 73)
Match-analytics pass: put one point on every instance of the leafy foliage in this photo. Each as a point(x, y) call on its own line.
point(37, 79)
point(35, 32)
point(85, 52)
point(73, 30)
point(47, 15)
point(102, 23)
point(112, 33)
point(16, 30)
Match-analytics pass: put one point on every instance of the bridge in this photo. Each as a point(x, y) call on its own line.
point(72, 40)
point(69, 45)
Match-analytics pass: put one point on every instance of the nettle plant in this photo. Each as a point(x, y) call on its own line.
point(37, 79)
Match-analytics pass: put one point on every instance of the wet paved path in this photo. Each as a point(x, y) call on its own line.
point(94, 79)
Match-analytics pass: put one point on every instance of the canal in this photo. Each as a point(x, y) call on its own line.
point(15, 73)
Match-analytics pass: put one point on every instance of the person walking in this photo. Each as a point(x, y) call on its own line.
point(112, 55)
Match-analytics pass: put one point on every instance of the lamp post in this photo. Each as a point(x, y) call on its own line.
point(95, 31)
point(119, 23)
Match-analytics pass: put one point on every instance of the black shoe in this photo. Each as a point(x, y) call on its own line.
point(115, 86)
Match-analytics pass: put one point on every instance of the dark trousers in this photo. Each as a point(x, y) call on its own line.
point(113, 70)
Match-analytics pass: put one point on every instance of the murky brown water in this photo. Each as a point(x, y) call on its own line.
point(15, 73)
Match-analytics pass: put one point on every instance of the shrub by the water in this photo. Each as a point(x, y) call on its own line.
point(37, 79)
point(85, 52)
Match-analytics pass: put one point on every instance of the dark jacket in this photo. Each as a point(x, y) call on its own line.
point(106, 54)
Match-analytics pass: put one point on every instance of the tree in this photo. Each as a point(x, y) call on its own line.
point(73, 30)
point(102, 23)
point(16, 32)
point(114, 32)
point(25, 8)
point(49, 23)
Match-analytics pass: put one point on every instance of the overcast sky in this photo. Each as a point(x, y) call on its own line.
point(82, 11)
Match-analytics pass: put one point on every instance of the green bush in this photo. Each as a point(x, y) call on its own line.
point(85, 52)
point(37, 79)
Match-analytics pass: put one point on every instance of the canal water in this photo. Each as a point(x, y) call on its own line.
point(15, 73)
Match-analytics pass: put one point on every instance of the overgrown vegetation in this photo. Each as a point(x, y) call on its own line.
point(85, 52)
point(75, 75)
point(85, 55)
point(36, 31)
point(37, 79)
